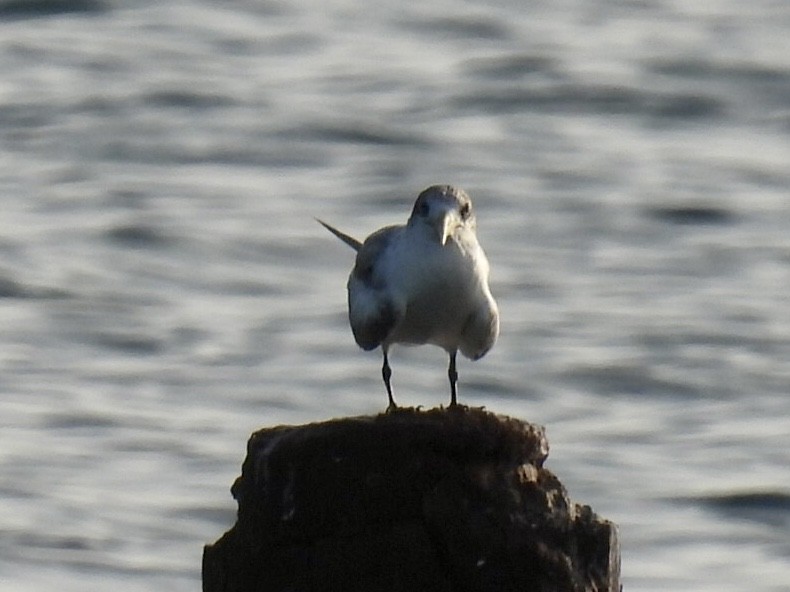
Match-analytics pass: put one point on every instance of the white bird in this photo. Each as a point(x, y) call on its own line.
point(423, 282)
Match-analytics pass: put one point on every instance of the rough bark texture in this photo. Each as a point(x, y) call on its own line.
point(441, 500)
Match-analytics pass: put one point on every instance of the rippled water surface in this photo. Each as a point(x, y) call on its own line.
point(165, 290)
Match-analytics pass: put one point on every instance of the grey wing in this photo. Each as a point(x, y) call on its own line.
point(372, 312)
point(481, 330)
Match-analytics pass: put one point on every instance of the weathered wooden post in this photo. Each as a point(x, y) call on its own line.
point(440, 500)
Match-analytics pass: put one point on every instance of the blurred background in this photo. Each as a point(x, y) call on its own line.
point(165, 289)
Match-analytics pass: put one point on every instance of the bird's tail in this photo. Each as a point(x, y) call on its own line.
point(349, 240)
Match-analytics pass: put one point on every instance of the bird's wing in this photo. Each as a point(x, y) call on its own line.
point(372, 311)
point(481, 330)
point(349, 240)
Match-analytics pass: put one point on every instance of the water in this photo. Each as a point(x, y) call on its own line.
point(166, 291)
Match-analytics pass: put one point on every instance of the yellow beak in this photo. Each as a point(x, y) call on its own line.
point(447, 225)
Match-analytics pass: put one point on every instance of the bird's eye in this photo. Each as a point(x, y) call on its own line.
point(422, 209)
point(466, 209)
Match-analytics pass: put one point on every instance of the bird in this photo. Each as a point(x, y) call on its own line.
point(423, 282)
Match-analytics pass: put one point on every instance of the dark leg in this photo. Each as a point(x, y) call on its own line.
point(453, 375)
point(386, 372)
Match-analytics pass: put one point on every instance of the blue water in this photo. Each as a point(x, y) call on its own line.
point(165, 290)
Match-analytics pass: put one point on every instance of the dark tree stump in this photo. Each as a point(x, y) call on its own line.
point(441, 500)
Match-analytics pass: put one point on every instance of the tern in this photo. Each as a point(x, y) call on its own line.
point(425, 281)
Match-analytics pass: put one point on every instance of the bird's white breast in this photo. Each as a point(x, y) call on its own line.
point(439, 286)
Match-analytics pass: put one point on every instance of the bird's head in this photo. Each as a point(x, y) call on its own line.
point(444, 209)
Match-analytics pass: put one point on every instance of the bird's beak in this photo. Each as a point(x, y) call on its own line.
point(446, 225)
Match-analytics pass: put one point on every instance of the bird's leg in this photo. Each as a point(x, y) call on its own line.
point(386, 372)
point(453, 375)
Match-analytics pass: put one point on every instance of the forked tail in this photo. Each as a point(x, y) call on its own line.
point(349, 240)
